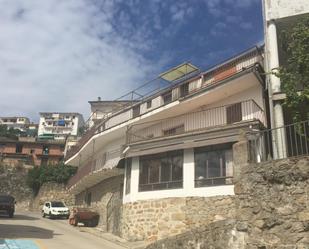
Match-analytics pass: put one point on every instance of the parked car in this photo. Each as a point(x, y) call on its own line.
point(85, 216)
point(55, 209)
point(7, 205)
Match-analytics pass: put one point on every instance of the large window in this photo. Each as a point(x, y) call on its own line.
point(161, 171)
point(213, 165)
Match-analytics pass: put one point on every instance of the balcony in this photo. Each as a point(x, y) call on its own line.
point(154, 94)
point(197, 121)
point(96, 170)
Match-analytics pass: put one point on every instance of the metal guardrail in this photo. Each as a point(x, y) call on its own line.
point(195, 121)
point(288, 141)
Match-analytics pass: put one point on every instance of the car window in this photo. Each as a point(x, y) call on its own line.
point(47, 204)
point(57, 204)
point(6, 198)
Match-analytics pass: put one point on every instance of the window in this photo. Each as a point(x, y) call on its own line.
point(174, 131)
point(233, 113)
point(167, 97)
point(19, 148)
point(32, 151)
point(184, 90)
point(149, 104)
point(45, 150)
point(213, 165)
point(128, 175)
point(136, 111)
point(161, 171)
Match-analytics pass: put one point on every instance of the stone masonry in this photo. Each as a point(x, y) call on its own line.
point(157, 219)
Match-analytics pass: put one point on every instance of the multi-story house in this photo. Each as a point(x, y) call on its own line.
point(19, 123)
point(174, 143)
point(279, 15)
point(59, 125)
point(31, 152)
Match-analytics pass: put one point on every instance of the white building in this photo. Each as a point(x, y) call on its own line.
point(177, 142)
point(279, 15)
point(59, 125)
point(19, 123)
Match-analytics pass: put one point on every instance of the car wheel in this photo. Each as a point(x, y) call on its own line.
point(43, 214)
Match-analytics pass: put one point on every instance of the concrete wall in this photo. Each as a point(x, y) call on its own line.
point(275, 9)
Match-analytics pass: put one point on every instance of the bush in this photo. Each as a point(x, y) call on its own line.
point(50, 173)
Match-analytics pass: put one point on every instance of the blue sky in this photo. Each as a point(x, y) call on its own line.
point(56, 55)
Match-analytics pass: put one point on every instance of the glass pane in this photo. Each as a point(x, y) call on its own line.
point(143, 172)
point(213, 163)
point(200, 165)
point(177, 167)
point(154, 170)
point(165, 169)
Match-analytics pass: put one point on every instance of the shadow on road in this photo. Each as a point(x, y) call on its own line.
point(17, 217)
point(19, 231)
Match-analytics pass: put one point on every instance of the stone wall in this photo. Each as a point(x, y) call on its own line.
point(272, 203)
point(157, 219)
point(219, 235)
point(13, 182)
point(101, 194)
point(52, 191)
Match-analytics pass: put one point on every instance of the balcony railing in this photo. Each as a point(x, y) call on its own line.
point(107, 160)
point(197, 121)
point(82, 172)
point(154, 91)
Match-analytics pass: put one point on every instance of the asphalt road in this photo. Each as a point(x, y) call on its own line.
point(47, 234)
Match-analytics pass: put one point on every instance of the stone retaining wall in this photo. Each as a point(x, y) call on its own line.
point(157, 219)
point(52, 191)
point(101, 194)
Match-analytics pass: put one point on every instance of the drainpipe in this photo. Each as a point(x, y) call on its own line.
point(277, 120)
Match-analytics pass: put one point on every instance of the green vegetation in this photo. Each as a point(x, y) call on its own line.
point(10, 133)
point(50, 173)
point(294, 74)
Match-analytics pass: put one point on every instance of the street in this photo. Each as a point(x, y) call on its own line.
point(30, 230)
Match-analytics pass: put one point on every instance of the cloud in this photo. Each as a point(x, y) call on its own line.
point(56, 55)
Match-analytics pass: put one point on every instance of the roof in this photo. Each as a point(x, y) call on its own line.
point(63, 113)
point(10, 140)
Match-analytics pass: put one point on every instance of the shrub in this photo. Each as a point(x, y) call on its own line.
point(50, 173)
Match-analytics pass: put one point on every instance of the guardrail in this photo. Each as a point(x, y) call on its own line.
point(194, 121)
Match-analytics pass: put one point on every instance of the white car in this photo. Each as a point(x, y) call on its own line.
point(54, 209)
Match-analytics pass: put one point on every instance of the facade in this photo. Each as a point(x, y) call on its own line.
point(170, 147)
point(59, 125)
point(19, 123)
point(31, 152)
point(279, 15)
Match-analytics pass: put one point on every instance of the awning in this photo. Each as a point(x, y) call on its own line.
point(178, 72)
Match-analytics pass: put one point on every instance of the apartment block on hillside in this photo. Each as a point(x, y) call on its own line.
point(59, 125)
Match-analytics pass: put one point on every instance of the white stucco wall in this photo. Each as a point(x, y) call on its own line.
point(188, 184)
point(275, 9)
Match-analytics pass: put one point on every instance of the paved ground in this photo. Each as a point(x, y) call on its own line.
point(30, 231)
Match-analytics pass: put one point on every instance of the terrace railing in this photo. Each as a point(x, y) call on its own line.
point(196, 121)
point(287, 141)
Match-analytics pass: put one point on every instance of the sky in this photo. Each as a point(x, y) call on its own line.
point(56, 55)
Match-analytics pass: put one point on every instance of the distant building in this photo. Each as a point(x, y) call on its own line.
point(59, 125)
point(19, 123)
point(31, 152)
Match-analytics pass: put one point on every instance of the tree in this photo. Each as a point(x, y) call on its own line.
point(50, 173)
point(294, 74)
